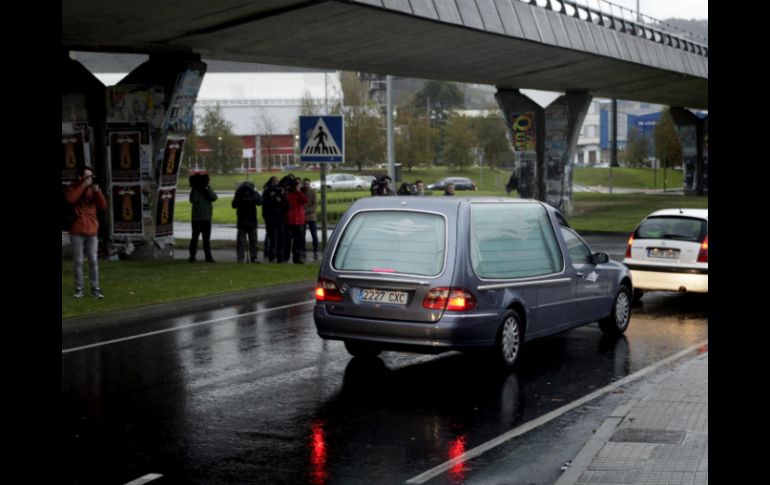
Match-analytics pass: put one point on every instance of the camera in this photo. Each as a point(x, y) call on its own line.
point(380, 186)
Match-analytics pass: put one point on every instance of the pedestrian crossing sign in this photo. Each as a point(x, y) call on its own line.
point(322, 139)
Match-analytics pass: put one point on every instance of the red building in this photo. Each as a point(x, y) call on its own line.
point(275, 152)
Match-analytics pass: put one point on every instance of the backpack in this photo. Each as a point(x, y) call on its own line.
point(68, 214)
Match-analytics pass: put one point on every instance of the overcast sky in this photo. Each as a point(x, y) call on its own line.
point(663, 9)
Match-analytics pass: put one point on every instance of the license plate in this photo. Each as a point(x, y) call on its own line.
point(372, 295)
point(665, 253)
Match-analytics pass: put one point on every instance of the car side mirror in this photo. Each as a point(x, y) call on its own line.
point(601, 258)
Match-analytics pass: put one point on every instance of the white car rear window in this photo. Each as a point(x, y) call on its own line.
point(513, 241)
point(394, 241)
point(674, 228)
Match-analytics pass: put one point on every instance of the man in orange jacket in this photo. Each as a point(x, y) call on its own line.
point(87, 198)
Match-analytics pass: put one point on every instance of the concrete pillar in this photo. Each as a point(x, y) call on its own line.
point(693, 135)
point(82, 131)
point(544, 143)
point(149, 114)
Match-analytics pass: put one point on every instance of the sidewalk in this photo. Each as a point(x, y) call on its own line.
point(659, 437)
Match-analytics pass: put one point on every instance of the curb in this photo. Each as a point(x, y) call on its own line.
point(178, 307)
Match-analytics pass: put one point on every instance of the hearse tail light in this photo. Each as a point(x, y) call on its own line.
point(327, 290)
point(628, 248)
point(703, 254)
point(454, 299)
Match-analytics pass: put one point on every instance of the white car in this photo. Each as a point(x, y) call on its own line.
point(341, 181)
point(669, 251)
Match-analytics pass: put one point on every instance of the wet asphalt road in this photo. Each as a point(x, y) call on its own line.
point(259, 398)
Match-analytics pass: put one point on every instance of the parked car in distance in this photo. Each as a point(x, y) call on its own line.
point(368, 179)
point(669, 251)
point(461, 183)
point(432, 274)
point(341, 181)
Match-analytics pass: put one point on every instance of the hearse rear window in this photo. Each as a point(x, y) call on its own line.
point(394, 241)
point(513, 241)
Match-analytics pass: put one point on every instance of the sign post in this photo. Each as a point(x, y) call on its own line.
point(322, 140)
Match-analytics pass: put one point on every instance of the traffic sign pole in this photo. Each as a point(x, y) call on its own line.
point(323, 207)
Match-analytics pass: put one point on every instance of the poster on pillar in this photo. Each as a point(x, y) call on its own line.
point(145, 144)
point(73, 155)
point(127, 210)
point(135, 104)
point(525, 152)
point(164, 216)
point(172, 159)
point(179, 117)
point(523, 129)
point(556, 148)
point(125, 156)
point(687, 137)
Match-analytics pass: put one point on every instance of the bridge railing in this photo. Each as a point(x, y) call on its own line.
point(622, 19)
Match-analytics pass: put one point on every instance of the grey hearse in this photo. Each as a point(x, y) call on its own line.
point(431, 274)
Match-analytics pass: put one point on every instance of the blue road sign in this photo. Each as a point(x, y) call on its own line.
point(321, 139)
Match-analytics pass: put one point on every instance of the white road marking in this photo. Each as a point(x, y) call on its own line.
point(530, 425)
point(145, 479)
point(183, 327)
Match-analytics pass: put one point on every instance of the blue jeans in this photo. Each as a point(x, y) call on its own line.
point(313, 226)
point(90, 244)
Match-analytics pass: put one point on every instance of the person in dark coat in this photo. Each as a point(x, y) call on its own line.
point(245, 203)
point(274, 207)
point(202, 197)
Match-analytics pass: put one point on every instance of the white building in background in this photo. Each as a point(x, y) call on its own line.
point(265, 103)
point(588, 150)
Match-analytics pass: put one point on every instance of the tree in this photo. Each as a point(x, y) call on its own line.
point(668, 148)
point(636, 149)
point(225, 147)
point(459, 142)
point(490, 135)
point(190, 153)
point(414, 137)
point(267, 127)
point(364, 136)
point(438, 99)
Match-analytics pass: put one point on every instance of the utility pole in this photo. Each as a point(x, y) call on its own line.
point(389, 118)
point(614, 151)
point(323, 173)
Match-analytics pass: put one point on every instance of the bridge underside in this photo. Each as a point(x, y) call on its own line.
point(357, 37)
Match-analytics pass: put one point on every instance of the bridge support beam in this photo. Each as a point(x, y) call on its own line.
point(693, 136)
point(544, 142)
point(135, 133)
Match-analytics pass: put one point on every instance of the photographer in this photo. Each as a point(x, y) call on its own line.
point(381, 187)
point(245, 203)
point(295, 221)
point(201, 198)
point(87, 199)
point(274, 207)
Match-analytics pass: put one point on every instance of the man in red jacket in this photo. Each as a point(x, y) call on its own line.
point(87, 198)
point(295, 222)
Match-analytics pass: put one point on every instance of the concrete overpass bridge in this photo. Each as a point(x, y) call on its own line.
point(554, 45)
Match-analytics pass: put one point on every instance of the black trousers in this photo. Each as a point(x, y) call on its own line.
point(295, 241)
point(201, 228)
point(240, 248)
